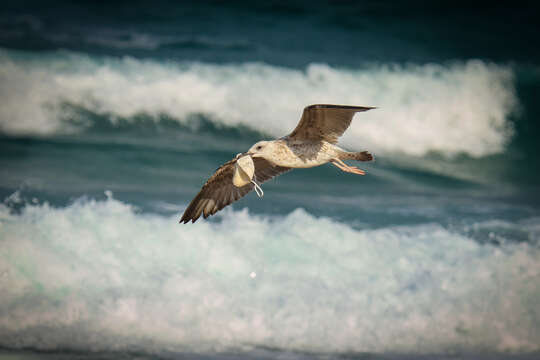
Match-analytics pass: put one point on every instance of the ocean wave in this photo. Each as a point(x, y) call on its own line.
point(455, 108)
point(99, 275)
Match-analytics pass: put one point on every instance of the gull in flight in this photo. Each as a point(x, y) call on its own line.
point(312, 143)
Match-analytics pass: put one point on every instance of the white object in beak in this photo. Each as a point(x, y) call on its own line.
point(243, 171)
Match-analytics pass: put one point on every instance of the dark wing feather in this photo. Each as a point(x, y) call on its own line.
point(265, 170)
point(219, 190)
point(325, 122)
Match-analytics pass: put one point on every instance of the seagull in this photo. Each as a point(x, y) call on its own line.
point(312, 143)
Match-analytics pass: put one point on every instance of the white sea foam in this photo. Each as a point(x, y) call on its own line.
point(462, 107)
point(101, 276)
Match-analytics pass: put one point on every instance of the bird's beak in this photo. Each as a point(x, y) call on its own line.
point(252, 154)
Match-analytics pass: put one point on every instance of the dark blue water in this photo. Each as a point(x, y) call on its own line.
point(113, 115)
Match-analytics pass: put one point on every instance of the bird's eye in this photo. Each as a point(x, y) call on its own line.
point(259, 147)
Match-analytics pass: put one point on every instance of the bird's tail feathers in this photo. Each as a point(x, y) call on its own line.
point(358, 156)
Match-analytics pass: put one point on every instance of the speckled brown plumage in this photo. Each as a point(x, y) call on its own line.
point(219, 191)
point(312, 143)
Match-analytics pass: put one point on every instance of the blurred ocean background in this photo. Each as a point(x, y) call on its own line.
point(112, 116)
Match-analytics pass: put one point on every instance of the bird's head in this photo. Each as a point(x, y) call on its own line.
point(261, 149)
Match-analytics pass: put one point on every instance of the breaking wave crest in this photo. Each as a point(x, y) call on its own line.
point(460, 107)
point(99, 275)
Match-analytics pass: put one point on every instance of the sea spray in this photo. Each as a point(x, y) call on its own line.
point(460, 107)
point(100, 275)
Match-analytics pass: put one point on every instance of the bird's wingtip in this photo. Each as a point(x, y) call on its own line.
point(335, 106)
point(184, 220)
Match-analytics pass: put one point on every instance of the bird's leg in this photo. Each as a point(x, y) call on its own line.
point(354, 169)
point(350, 169)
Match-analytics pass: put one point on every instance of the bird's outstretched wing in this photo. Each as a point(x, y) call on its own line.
point(219, 191)
point(325, 122)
